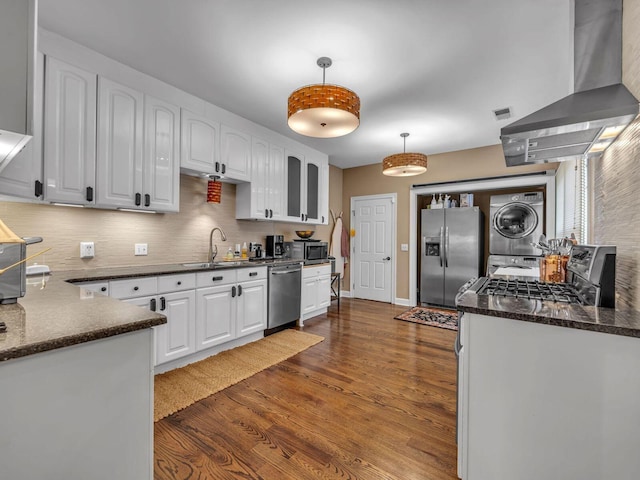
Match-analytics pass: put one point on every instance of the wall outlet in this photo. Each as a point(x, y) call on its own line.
point(404, 247)
point(141, 249)
point(87, 250)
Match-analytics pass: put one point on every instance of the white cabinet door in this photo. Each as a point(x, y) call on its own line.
point(161, 167)
point(296, 194)
point(120, 122)
point(176, 338)
point(22, 177)
point(309, 297)
point(235, 154)
point(200, 143)
point(251, 307)
point(324, 291)
point(215, 316)
point(276, 182)
point(69, 133)
point(323, 194)
point(259, 179)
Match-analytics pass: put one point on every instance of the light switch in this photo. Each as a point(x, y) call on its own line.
point(140, 248)
point(404, 247)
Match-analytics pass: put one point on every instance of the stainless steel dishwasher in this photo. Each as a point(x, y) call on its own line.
point(284, 294)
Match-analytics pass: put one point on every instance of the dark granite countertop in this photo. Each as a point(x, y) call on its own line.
point(112, 273)
point(596, 319)
point(59, 315)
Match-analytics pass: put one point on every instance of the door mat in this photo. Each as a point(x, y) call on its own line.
point(434, 317)
point(179, 388)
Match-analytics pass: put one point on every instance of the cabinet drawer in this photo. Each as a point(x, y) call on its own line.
point(133, 287)
point(97, 287)
point(176, 283)
point(215, 277)
point(255, 273)
point(316, 270)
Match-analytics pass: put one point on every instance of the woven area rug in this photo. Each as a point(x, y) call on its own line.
point(434, 317)
point(179, 388)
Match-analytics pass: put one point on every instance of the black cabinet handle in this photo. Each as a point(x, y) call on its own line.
point(270, 213)
point(302, 217)
point(147, 199)
point(323, 219)
point(136, 288)
point(239, 290)
point(253, 274)
point(224, 168)
point(38, 188)
point(215, 279)
point(138, 199)
point(179, 283)
point(163, 304)
point(233, 292)
point(217, 166)
point(103, 289)
point(89, 194)
point(153, 304)
point(266, 213)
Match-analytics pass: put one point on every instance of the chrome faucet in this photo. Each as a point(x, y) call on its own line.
point(213, 249)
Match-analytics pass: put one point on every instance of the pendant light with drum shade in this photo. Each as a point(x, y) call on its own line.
point(404, 164)
point(323, 111)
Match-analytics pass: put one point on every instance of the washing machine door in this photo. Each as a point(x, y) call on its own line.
point(513, 228)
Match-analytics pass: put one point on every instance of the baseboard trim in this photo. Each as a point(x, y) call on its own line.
point(403, 301)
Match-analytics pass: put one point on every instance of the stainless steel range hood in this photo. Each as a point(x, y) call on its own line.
point(17, 64)
point(588, 121)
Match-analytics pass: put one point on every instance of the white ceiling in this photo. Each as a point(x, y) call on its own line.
point(433, 68)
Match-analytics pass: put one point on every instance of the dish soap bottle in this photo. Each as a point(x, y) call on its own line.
point(433, 201)
point(244, 251)
point(229, 255)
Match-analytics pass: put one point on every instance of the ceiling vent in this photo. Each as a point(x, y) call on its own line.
point(502, 113)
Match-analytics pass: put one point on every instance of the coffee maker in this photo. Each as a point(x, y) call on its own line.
point(275, 246)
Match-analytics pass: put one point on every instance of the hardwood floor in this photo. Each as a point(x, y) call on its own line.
point(375, 400)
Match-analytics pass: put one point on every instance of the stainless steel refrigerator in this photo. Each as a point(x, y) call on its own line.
point(451, 254)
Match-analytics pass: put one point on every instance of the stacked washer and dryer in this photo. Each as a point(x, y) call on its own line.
point(516, 223)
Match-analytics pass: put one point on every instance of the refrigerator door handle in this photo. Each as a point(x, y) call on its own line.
point(446, 247)
point(441, 244)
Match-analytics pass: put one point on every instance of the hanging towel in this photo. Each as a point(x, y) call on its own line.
point(344, 243)
point(336, 246)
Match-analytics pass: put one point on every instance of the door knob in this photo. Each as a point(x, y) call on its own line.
point(386, 258)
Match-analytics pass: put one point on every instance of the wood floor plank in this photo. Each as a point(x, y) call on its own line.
point(375, 400)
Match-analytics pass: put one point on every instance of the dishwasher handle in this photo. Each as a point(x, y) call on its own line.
point(284, 272)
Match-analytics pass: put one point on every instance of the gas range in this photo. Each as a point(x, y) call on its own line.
point(590, 281)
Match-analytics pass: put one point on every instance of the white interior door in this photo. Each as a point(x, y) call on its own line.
point(373, 218)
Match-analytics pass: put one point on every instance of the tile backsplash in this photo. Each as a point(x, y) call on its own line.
point(171, 238)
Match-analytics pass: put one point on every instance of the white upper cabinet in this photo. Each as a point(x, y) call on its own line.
point(235, 162)
point(307, 189)
point(120, 123)
point(161, 167)
point(138, 153)
point(200, 143)
point(69, 134)
point(22, 177)
point(263, 198)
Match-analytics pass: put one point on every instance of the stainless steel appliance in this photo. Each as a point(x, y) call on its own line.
point(275, 246)
point(516, 222)
point(591, 272)
point(586, 122)
point(451, 252)
point(284, 294)
point(13, 282)
point(525, 266)
point(308, 251)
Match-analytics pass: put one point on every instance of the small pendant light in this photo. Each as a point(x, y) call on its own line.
point(404, 164)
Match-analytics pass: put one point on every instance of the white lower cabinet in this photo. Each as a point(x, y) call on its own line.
point(316, 290)
point(236, 306)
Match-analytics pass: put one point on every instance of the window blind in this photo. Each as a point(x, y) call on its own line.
point(571, 200)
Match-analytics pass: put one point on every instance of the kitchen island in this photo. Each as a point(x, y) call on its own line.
point(547, 390)
point(76, 376)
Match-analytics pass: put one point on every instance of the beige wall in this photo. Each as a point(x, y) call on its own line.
point(172, 238)
point(461, 165)
point(616, 177)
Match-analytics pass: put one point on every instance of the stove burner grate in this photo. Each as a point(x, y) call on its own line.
point(532, 290)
